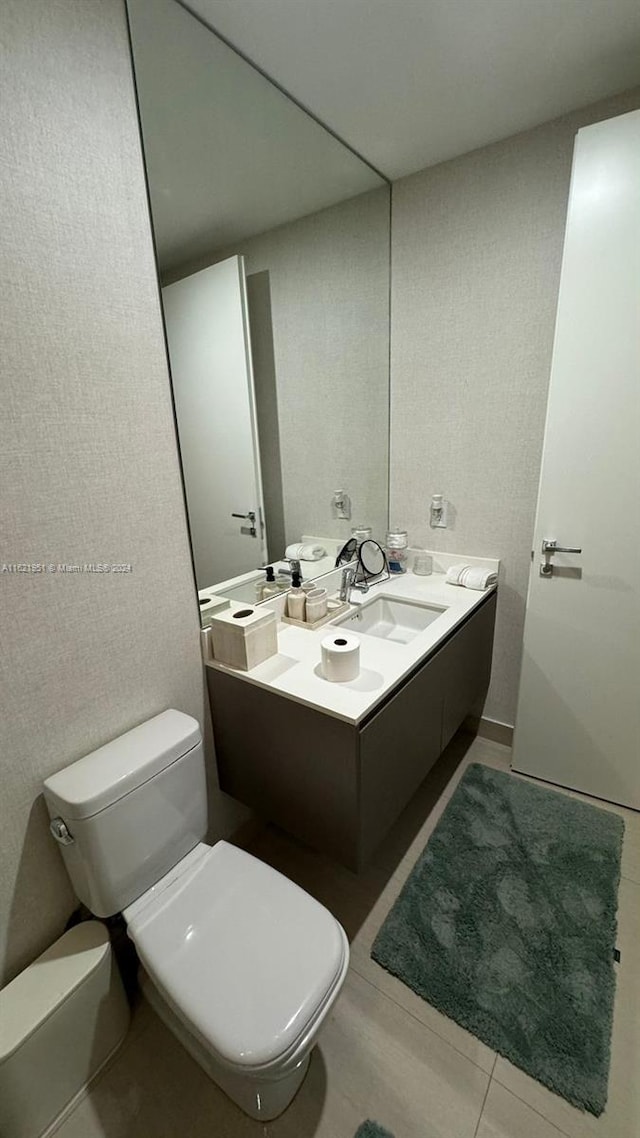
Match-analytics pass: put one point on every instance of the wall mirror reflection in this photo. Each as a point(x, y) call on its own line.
point(272, 241)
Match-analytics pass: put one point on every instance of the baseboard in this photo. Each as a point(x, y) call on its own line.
point(490, 729)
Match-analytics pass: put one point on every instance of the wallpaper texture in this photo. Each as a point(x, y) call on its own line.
point(89, 462)
point(476, 253)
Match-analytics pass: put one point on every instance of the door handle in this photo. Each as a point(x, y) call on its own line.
point(553, 547)
point(549, 548)
point(250, 516)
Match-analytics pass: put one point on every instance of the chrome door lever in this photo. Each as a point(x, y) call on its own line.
point(250, 530)
point(553, 547)
point(549, 548)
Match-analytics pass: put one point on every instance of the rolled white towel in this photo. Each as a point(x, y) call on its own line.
point(471, 577)
point(300, 551)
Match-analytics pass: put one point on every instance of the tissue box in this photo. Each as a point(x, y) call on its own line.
point(244, 637)
point(210, 607)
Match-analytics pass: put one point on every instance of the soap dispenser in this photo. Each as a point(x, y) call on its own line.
point(296, 598)
point(269, 587)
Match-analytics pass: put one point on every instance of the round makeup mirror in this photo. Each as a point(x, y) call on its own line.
point(372, 558)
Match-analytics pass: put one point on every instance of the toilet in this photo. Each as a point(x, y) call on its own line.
point(241, 964)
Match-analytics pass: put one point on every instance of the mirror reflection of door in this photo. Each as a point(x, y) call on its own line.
point(210, 357)
point(236, 169)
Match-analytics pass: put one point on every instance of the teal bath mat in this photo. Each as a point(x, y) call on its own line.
point(371, 1129)
point(507, 924)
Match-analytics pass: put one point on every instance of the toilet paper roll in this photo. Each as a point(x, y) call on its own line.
point(340, 656)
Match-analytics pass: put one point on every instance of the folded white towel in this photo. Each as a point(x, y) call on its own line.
point(302, 552)
point(471, 577)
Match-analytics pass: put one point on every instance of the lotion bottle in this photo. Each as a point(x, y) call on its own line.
point(296, 599)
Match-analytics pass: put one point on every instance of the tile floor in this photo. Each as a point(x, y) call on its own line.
point(385, 1053)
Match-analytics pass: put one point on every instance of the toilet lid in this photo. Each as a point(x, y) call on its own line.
point(245, 957)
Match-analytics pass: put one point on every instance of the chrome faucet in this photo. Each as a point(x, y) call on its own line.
point(294, 567)
point(348, 582)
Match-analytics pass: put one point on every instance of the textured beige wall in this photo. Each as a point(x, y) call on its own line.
point(89, 462)
point(477, 247)
point(328, 280)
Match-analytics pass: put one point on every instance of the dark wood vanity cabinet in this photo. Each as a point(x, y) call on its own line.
point(340, 786)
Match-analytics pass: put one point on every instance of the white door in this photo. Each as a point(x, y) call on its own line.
point(209, 352)
point(578, 720)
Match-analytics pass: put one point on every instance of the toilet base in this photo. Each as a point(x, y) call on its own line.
point(259, 1097)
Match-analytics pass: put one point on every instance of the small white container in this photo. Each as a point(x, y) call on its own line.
point(60, 1020)
point(340, 657)
point(422, 563)
point(243, 638)
point(296, 603)
point(362, 533)
point(317, 601)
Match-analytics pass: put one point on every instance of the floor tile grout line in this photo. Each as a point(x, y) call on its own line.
point(484, 1101)
point(432, 1030)
point(565, 1133)
point(486, 1094)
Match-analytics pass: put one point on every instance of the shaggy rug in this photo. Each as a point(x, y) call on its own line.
point(507, 924)
point(371, 1129)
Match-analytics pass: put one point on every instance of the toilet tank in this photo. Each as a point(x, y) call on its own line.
point(127, 813)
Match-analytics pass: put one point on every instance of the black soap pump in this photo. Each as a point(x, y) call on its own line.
point(269, 587)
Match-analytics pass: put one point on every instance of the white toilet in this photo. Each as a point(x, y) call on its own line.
point(241, 964)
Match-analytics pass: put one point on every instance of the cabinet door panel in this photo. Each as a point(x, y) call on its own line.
point(293, 765)
point(468, 668)
point(397, 749)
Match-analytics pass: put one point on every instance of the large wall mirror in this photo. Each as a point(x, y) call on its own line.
point(272, 241)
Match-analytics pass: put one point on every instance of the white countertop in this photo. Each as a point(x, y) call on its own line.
point(295, 671)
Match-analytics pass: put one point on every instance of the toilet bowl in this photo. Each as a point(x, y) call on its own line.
point(242, 965)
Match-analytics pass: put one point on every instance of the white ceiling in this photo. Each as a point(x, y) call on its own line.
point(227, 154)
point(409, 83)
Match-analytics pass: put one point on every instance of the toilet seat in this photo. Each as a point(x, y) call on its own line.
point(245, 958)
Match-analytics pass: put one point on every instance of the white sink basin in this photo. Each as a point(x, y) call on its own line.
point(392, 619)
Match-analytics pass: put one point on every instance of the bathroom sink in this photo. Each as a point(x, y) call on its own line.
point(392, 619)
